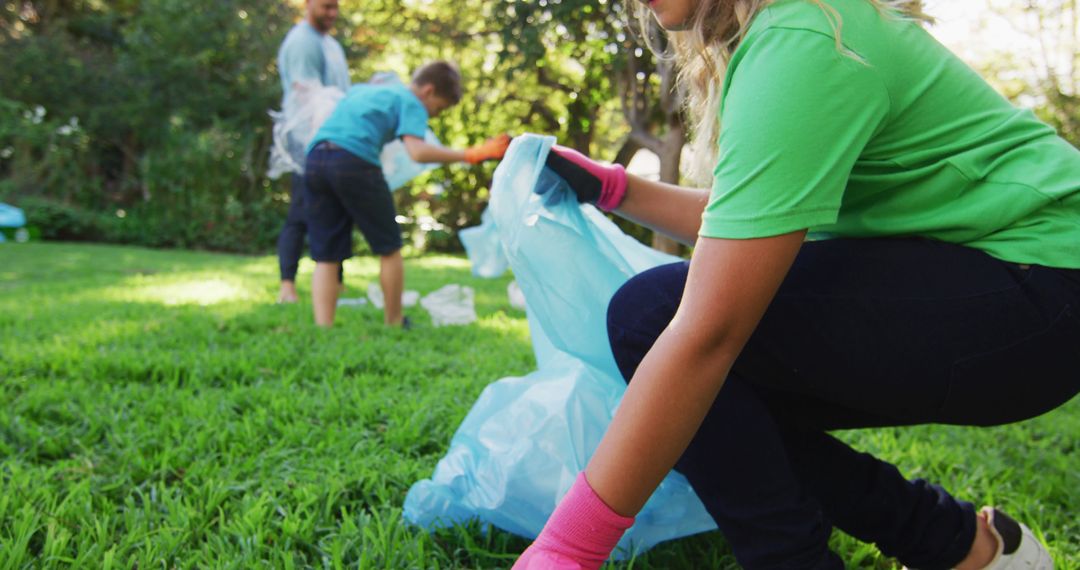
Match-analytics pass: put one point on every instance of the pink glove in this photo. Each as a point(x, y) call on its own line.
point(580, 534)
point(604, 185)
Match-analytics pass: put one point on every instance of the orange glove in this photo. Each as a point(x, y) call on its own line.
point(491, 149)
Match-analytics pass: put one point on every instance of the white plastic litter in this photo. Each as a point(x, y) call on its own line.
point(450, 305)
point(517, 298)
point(398, 167)
point(352, 301)
point(307, 108)
point(374, 293)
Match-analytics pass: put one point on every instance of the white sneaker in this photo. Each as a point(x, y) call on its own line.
point(1018, 549)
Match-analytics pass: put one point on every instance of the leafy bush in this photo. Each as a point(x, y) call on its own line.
point(52, 220)
point(43, 154)
point(206, 189)
point(115, 125)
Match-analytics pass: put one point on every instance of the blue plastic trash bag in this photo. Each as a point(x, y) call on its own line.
point(525, 440)
point(484, 248)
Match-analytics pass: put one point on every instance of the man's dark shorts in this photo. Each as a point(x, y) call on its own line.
point(343, 189)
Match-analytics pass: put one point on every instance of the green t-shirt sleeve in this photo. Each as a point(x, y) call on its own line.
point(796, 115)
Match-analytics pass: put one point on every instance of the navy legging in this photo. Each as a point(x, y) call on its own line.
point(863, 333)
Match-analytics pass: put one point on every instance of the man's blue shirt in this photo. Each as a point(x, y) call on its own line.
point(307, 54)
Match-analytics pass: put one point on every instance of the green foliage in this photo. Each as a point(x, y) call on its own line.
point(58, 221)
point(165, 106)
point(41, 153)
point(157, 409)
point(150, 115)
point(209, 172)
point(1030, 52)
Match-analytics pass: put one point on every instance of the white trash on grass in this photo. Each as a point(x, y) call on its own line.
point(374, 293)
point(450, 305)
point(517, 298)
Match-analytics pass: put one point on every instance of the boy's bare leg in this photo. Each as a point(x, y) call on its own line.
point(392, 281)
point(287, 293)
point(324, 292)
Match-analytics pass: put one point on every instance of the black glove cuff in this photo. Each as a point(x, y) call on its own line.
point(585, 185)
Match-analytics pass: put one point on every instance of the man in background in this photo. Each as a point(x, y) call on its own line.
point(308, 54)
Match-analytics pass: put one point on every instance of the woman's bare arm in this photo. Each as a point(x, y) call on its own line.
point(729, 286)
point(669, 209)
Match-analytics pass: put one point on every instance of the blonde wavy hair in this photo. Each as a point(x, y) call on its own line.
point(702, 52)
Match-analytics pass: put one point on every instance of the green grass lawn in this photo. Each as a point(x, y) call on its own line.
point(159, 410)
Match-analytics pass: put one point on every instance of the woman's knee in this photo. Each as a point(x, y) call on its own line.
point(640, 310)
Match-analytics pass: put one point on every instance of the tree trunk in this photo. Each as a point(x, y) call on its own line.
point(642, 111)
point(670, 157)
point(626, 152)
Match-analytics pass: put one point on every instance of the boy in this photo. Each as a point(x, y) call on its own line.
point(345, 185)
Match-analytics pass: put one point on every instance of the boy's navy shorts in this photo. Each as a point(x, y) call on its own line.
point(342, 189)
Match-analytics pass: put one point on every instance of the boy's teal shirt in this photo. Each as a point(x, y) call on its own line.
point(372, 115)
point(903, 139)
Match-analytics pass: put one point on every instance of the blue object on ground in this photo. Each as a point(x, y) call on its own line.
point(525, 439)
point(11, 217)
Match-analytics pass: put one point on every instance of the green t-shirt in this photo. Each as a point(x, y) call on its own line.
point(908, 142)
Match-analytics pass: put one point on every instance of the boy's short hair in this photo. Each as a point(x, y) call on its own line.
point(444, 76)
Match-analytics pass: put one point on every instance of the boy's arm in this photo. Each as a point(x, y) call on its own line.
point(421, 151)
point(491, 149)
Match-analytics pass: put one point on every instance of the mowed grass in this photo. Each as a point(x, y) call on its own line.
point(159, 410)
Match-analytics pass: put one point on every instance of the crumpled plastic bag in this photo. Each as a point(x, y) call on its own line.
point(517, 298)
point(450, 305)
point(398, 167)
point(525, 439)
point(375, 295)
point(307, 108)
point(484, 248)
